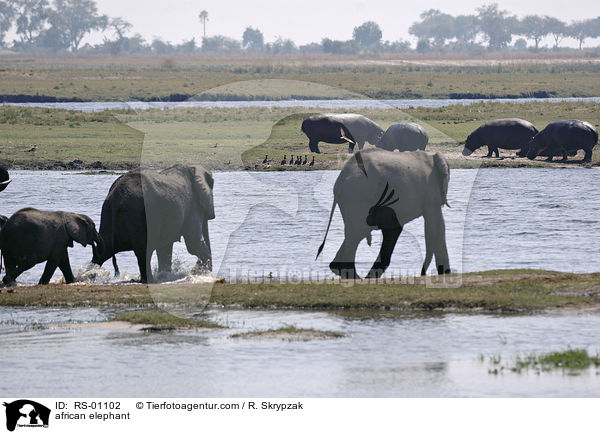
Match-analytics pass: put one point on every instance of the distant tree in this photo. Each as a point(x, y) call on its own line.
point(203, 17)
point(557, 29)
point(187, 47)
point(435, 26)
point(367, 35)
point(423, 45)
point(496, 25)
point(32, 17)
point(282, 46)
point(465, 29)
point(72, 20)
point(253, 39)
point(580, 31)
point(520, 45)
point(339, 47)
point(220, 44)
point(52, 39)
point(120, 28)
point(7, 12)
point(534, 27)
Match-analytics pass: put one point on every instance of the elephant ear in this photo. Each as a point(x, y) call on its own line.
point(78, 228)
point(202, 187)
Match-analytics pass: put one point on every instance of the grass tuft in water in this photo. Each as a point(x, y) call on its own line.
point(291, 333)
point(571, 362)
point(157, 320)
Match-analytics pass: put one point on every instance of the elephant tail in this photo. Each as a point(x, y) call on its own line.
point(441, 166)
point(327, 231)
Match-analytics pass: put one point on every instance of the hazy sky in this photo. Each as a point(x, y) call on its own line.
point(309, 20)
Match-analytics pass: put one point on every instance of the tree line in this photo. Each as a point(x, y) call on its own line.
point(61, 25)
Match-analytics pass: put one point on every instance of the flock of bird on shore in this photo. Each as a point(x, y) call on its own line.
point(298, 161)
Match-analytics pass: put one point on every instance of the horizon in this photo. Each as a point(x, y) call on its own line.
point(332, 21)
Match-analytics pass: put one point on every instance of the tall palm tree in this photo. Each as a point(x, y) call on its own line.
point(204, 18)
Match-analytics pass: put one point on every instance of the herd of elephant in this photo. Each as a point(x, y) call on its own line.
point(562, 137)
point(147, 211)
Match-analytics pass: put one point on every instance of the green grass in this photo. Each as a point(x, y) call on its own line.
point(572, 362)
point(239, 139)
point(157, 320)
point(388, 76)
point(290, 333)
point(503, 291)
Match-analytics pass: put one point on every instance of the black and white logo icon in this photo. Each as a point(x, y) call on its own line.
point(27, 414)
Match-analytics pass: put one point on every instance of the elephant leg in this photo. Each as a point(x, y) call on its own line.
point(361, 145)
point(435, 234)
point(14, 270)
point(49, 270)
point(390, 237)
point(344, 262)
point(496, 151)
point(551, 156)
point(116, 266)
point(314, 146)
point(165, 257)
point(490, 151)
point(428, 254)
point(565, 155)
point(144, 265)
point(351, 147)
point(588, 155)
point(65, 267)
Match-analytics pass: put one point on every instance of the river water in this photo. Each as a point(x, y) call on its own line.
point(273, 222)
point(382, 355)
point(329, 104)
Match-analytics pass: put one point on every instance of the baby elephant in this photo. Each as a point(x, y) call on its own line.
point(31, 236)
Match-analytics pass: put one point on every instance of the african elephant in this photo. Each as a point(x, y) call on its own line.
point(340, 128)
point(404, 136)
point(4, 178)
point(408, 185)
point(501, 133)
point(147, 210)
point(563, 137)
point(31, 236)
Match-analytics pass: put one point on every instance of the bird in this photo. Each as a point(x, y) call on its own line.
point(312, 163)
point(284, 161)
point(266, 160)
point(298, 160)
point(305, 160)
point(32, 149)
point(291, 160)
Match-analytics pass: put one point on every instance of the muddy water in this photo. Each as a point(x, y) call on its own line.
point(389, 355)
point(274, 222)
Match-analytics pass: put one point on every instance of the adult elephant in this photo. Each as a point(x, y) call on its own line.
point(31, 236)
point(564, 137)
point(408, 185)
point(147, 210)
point(341, 128)
point(501, 133)
point(4, 178)
point(404, 136)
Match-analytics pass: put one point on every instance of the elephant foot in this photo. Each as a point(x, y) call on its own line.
point(443, 270)
point(377, 270)
point(8, 282)
point(346, 270)
point(202, 267)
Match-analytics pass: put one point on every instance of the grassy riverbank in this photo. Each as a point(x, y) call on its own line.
point(525, 291)
point(239, 139)
point(156, 77)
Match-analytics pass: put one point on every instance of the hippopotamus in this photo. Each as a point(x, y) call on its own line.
point(341, 128)
point(500, 133)
point(404, 136)
point(564, 137)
